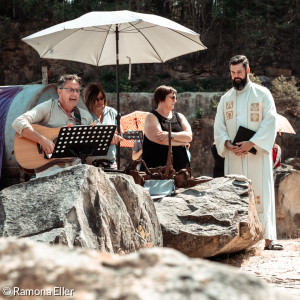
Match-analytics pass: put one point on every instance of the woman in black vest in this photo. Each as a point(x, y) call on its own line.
point(156, 140)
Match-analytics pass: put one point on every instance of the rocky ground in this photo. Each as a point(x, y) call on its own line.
point(277, 268)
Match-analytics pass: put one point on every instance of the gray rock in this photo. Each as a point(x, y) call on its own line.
point(294, 162)
point(81, 206)
point(214, 218)
point(156, 273)
point(54, 236)
point(140, 208)
point(287, 191)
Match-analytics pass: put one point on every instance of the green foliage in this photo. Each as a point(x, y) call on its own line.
point(143, 85)
point(74, 69)
point(55, 10)
point(214, 105)
point(199, 113)
point(255, 79)
point(265, 31)
point(284, 89)
point(183, 86)
point(164, 75)
point(214, 85)
point(125, 84)
point(107, 79)
point(89, 77)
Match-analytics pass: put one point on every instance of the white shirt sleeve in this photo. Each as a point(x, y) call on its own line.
point(33, 116)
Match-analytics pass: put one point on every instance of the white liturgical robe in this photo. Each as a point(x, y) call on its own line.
point(253, 108)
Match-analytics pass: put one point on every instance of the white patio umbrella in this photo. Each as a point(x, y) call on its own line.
point(115, 37)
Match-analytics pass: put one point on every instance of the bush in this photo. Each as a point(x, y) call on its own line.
point(183, 86)
point(214, 105)
point(199, 113)
point(214, 85)
point(108, 81)
point(284, 89)
point(255, 79)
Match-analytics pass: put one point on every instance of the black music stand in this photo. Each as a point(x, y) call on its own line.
point(83, 141)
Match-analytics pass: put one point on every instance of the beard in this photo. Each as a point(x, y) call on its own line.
point(240, 84)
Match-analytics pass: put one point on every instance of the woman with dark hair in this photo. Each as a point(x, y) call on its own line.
point(96, 102)
point(156, 138)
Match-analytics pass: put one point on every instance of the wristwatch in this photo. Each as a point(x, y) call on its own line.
point(172, 136)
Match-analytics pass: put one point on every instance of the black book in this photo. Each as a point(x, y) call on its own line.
point(244, 134)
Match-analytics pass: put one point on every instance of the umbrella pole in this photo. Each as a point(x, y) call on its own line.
point(118, 96)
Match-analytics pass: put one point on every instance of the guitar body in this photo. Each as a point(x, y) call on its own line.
point(27, 152)
point(32, 159)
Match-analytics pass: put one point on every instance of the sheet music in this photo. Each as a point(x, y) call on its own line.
point(84, 138)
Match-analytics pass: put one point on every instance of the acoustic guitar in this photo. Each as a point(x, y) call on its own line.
point(31, 157)
point(29, 154)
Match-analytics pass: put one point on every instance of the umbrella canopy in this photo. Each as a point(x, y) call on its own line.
point(91, 39)
point(283, 125)
point(132, 122)
point(115, 37)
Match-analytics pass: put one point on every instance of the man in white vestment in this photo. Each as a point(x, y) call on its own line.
point(252, 106)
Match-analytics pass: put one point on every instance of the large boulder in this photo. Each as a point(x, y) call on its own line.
point(29, 269)
point(287, 196)
point(214, 218)
point(82, 206)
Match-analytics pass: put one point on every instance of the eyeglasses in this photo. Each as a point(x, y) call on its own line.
point(100, 98)
point(173, 97)
point(69, 91)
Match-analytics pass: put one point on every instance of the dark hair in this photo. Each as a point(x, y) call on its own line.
point(239, 59)
point(91, 93)
point(62, 79)
point(161, 92)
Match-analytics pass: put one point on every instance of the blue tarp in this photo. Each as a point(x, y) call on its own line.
point(7, 95)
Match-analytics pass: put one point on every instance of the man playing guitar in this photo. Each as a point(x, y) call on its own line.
point(54, 113)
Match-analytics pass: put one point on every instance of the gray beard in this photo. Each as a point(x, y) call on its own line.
point(239, 86)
